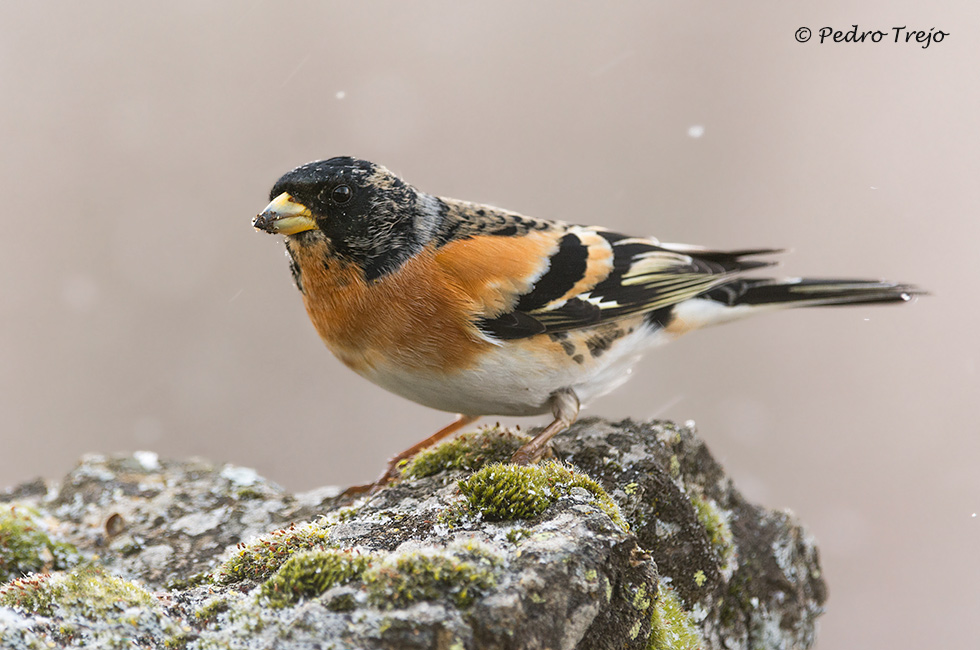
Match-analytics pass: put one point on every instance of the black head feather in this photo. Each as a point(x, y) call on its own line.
point(369, 216)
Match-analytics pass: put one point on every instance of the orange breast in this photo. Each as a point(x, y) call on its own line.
point(421, 316)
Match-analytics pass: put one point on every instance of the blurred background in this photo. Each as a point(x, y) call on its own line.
point(139, 310)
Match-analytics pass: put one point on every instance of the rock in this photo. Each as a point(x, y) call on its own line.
point(634, 538)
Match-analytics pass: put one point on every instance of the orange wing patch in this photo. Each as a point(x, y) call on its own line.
point(491, 272)
point(597, 266)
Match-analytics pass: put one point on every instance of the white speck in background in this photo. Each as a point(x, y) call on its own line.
point(695, 131)
point(340, 94)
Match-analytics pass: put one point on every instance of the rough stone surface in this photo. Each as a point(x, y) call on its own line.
point(417, 565)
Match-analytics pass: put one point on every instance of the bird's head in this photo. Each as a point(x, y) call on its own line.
point(365, 214)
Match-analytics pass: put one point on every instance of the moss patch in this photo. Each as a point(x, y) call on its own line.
point(261, 558)
point(401, 580)
point(25, 547)
point(715, 524)
point(183, 584)
point(671, 626)
point(700, 578)
point(88, 592)
point(505, 492)
point(210, 610)
point(309, 574)
point(515, 535)
point(468, 451)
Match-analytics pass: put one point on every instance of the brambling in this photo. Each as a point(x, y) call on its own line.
point(479, 311)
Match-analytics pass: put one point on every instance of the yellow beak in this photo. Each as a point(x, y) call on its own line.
point(284, 216)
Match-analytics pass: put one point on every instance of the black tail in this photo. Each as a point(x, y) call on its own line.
point(807, 292)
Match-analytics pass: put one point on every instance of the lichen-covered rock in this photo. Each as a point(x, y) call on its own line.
point(631, 537)
point(750, 575)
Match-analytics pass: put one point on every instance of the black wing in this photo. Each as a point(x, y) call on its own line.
point(597, 276)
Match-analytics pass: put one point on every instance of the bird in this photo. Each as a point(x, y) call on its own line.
point(480, 311)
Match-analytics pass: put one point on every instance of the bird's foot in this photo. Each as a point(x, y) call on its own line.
point(526, 456)
point(395, 463)
point(565, 405)
point(370, 488)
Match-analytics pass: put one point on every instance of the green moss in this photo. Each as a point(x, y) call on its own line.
point(248, 494)
point(700, 578)
point(635, 630)
point(178, 641)
point(261, 558)
point(130, 549)
point(671, 626)
point(515, 535)
point(641, 599)
point(210, 610)
point(309, 574)
point(501, 492)
point(183, 584)
point(88, 592)
point(454, 514)
point(345, 514)
point(715, 524)
point(467, 451)
point(504, 492)
point(392, 516)
point(31, 593)
point(404, 579)
point(342, 603)
point(25, 547)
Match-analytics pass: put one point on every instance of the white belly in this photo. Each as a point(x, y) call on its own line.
point(519, 377)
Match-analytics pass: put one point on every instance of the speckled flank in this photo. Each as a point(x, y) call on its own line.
point(600, 338)
point(594, 340)
point(562, 339)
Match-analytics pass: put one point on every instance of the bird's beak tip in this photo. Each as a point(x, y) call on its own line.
point(284, 216)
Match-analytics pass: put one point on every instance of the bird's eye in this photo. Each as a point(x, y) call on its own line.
point(342, 194)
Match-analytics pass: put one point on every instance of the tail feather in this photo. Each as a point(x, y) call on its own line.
point(808, 292)
point(732, 260)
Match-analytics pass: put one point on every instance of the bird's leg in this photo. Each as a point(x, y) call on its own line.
point(564, 405)
point(389, 473)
